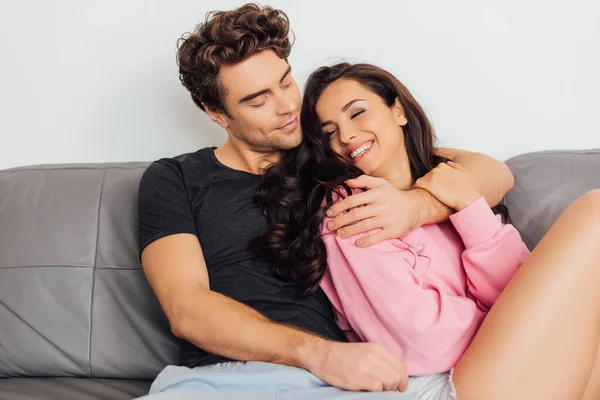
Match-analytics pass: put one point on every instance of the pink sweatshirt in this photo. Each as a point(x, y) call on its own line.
point(423, 296)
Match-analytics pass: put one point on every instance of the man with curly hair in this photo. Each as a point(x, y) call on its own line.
point(243, 331)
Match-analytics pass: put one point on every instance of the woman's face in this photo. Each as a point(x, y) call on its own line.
point(362, 128)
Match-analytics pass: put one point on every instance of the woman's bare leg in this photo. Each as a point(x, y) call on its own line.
point(592, 391)
point(540, 339)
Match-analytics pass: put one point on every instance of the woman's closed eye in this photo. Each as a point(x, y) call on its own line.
point(329, 133)
point(356, 113)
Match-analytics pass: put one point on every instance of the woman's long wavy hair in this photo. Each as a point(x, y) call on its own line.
point(296, 191)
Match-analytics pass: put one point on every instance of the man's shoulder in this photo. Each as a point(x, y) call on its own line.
point(202, 157)
point(182, 167)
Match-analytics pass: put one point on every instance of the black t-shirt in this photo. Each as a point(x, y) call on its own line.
point(194, 193)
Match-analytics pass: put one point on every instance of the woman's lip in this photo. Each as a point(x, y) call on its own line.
point(354, 148)
point(360, 157)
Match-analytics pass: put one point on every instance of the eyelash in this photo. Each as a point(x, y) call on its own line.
point(356, 114)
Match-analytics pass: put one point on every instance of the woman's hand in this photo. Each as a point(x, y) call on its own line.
point(450, 184)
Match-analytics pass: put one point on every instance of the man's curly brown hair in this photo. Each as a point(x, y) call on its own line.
point(228, 38)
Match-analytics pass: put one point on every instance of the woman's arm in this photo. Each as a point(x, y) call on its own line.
point(492, 178)
point(493, 252)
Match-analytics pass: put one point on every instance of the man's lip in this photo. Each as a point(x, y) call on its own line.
point(294, 120)
point(357, 146)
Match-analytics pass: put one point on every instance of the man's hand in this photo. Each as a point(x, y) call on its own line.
point(395, 211)
point(359, 366)
point(450, 183)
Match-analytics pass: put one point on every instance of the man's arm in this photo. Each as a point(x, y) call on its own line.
point(397, 212)
point(176, 270)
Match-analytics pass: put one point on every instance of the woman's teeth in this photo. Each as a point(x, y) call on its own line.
point(361, 150)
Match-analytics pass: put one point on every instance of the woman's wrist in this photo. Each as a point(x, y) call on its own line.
point(466, 201)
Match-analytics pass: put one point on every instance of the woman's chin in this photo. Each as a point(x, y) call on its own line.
point(368, 162)
point(366, 168)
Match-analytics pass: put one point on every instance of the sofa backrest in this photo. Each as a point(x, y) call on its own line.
point(73, 298)
point(545, 184)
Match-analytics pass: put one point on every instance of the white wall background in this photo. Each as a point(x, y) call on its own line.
point(96, 81)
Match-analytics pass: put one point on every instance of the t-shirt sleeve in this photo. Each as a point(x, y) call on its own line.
point(164, 207)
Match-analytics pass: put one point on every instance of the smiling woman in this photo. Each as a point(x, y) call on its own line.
point(461, 302)
point(356, 119)
point(366, 131)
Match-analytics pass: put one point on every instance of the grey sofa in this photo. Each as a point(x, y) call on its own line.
point(77, 317)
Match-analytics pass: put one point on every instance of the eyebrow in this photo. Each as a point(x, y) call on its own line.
point(344, 109)
point(261, 92)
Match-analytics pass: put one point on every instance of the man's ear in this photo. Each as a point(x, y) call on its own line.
point(217, 116)
point(399, 113)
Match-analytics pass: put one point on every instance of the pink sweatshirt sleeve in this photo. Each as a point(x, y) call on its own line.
point(493, 251)
point(386, 301)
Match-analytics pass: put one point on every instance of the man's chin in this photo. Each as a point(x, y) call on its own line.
point(290, 143)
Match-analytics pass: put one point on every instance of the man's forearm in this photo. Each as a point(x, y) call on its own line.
point(231, 329)
point(431, 210)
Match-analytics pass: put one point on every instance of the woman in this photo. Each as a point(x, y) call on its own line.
point(433, 296)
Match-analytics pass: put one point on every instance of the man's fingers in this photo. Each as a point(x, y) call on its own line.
point(374, 238)
point(392, 371)
point(390, 385)
point(366, 181)
point(364, 225)
point(391, 378)
point(374, 385)
point(355, 200)
point(400, 372)
point(403, 383)
point(353, 216)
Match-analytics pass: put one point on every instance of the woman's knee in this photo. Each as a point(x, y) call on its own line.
point(587, 208)
point(593, 197)
point(591, 200)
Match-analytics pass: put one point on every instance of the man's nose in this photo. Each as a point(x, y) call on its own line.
point(285, 104)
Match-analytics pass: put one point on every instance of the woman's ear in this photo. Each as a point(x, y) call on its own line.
point(217, 116)
point(399, 113)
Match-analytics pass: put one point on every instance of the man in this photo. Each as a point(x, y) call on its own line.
point(197, 218)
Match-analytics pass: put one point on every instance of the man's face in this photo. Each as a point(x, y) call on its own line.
point(263, 102)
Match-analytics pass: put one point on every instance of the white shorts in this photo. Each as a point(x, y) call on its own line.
point(432, 387)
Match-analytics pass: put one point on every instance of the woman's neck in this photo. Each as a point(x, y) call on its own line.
point(399, 175)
